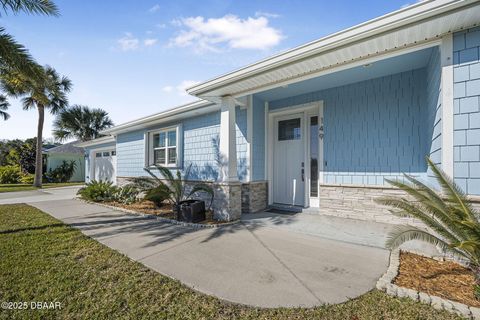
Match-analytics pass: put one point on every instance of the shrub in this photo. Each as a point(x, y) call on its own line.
point(157, 195)
point(10, 174)
point(454, 224)
point(27, 178)
point(62, 173)
point(175, 186)
point(126, 195)
point(98, 191)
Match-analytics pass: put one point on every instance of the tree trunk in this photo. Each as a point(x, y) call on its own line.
point(38, 155)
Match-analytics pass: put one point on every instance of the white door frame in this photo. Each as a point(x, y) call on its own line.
point(308, 109)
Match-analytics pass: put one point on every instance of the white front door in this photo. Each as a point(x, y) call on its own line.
point(288, 160)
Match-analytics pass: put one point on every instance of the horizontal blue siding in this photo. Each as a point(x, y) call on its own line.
point(466, 122)
point(374, 129)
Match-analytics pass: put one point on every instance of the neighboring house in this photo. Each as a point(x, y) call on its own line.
point(322, 125)
point(67, 152)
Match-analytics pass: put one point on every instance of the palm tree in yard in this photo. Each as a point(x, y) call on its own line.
point(46, 92)
point(4, 107)
point(453, 224)
point(80, 122)
point(12, 54)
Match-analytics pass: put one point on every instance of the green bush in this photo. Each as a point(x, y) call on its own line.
point(157, 195)
point(62, 173)
point(27, 178)
point(98, 191)
point(126, 195)
point(10, 174)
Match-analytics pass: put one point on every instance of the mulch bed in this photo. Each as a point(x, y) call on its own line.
point(444, 279)
point(164, 211)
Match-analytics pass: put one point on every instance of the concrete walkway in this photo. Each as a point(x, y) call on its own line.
point(258, 262)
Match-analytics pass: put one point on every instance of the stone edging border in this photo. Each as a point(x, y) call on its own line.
point(171, 221)
point(385, 283)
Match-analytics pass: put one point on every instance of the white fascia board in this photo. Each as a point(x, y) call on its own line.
point(183, 111)
point(394, 20)
point(95, 142)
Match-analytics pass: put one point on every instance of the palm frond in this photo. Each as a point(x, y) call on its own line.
point(45, 7)
point(4, 107)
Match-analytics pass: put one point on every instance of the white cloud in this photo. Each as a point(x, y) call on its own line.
point(230, 31)
point(155, 8)
point(128, 42)
point(150, 42)
point(266, 14)
point(180, 89)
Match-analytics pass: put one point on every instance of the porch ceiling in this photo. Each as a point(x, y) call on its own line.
point(409, 27)
point(406, 62)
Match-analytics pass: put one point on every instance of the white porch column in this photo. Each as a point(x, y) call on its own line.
point(228, 140)
point(446, 57)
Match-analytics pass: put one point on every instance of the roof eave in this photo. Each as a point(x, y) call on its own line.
point(394, 20)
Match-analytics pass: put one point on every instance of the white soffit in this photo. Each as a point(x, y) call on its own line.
point(409, 27)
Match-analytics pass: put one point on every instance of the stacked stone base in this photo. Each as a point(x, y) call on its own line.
point(230, 199)
point(358, 202)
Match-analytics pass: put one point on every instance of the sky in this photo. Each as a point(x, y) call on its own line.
point(135, 58)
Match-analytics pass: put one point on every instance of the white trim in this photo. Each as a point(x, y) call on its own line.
point(414, 14)
point(360, 62)
point(228, 140)
point(174, 114)
point(94, 142)
point(148, 138)
point(446, 56)
point(301, 108)
point(266, 134)
point(249, 137)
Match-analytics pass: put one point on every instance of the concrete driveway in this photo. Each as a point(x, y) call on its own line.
point(263, 261)
point(245, 263)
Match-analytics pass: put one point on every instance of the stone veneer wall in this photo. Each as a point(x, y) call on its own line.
point(254, 196)
point(227, 201)
point(357, 202)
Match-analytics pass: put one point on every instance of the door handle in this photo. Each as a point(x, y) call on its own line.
point(303, 175)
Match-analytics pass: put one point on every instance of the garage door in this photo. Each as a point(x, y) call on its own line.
point(105, 165)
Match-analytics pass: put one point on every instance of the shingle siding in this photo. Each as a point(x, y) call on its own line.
point(466, 46)
point(258, 140)
point(200, 147)
point(378, 128)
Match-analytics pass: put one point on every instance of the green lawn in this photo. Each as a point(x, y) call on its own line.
point(26, 187)
point(41, 259)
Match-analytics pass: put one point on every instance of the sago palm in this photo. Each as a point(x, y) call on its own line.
point(81, 123)
point(47, 92)
point(175, 186)
point(452, 222)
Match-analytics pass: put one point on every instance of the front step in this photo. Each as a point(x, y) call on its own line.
point(283, 209)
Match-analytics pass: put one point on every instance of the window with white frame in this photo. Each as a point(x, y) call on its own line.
point(163, 147)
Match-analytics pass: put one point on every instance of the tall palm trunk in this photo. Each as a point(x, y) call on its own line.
point(38, 155)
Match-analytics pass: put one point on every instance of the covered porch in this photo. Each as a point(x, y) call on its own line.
point(329, 121)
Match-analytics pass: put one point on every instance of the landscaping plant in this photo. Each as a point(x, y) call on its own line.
point(10, 174)
point(62, 173)
point(453, 223)
point(98, 191)
point(175, 187)
point(127, 194)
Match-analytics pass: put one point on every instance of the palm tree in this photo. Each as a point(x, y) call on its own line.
point(173, 188)
point(12, 54)
point(453, 223)
point(49, 92)
point(4, 107)
point(80, 122)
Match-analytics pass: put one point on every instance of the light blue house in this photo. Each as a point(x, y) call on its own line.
point(322, 125)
